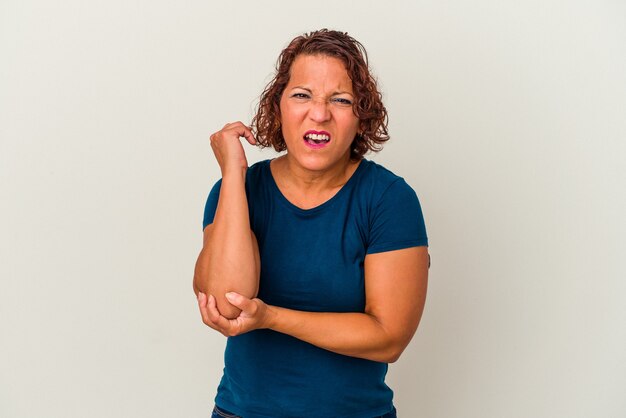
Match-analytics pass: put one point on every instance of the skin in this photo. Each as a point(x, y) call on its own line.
point(316, 97)
point(229, 260)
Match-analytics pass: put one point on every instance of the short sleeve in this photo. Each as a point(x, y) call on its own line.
point(397, 221)
point(211, 204)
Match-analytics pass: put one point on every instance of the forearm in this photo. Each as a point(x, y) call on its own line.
point(229, 260)
point(351, 334)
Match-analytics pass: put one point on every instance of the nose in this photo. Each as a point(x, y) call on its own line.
point(319, 110)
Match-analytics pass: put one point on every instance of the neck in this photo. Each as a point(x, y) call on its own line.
point(312, 181)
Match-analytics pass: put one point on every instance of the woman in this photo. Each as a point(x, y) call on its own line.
point(315, 263)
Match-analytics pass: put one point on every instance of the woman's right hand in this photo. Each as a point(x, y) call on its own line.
point(228, 149)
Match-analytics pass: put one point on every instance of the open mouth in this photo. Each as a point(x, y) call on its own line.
point(316, 139)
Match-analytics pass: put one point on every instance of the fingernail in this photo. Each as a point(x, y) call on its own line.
point(230, 295)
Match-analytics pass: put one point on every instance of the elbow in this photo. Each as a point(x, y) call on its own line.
point(195, 288)
point(394, 348)
point(393, 353)
point(392, 344)
point(225, 308)
point(199, 284)
point(206, 280)
point(386, 355)
point(200, 274)
point(196, 284)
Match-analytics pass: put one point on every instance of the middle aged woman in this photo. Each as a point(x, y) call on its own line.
point(314, 263)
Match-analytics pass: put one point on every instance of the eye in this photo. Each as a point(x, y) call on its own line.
point(300, 95)
point(342, 101)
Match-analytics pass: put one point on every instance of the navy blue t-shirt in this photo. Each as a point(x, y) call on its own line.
point(312, 260)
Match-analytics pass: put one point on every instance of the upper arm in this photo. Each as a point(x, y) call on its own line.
point(202, 265)
point(207, 235)
point(208, 232)
point(395, 291)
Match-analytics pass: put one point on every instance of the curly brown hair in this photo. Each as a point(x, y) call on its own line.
point(368, 105)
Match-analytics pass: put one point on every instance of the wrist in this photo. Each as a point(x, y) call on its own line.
point(271, 316)
point(235, 173)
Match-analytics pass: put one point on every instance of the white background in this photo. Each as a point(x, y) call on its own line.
point(507, 118)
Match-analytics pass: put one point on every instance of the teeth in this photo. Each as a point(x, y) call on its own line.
point(317, 137)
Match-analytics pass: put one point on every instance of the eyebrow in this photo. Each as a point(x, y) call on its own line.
point(333, 94)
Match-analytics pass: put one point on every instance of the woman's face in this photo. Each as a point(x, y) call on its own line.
point(317, 119)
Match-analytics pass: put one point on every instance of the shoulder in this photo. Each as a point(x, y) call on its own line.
point(255, 175)
point(395, 215)
point(378, 180)
point(258, 172)
point(258, 168)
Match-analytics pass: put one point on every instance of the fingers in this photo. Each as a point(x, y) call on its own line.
point(202, 302)
point(252, 316)
point(237, 128)
point(228, 149)
point(214, 314)
point(206, 315)
point(228, 326)
point(247, 306)
point(247, 133)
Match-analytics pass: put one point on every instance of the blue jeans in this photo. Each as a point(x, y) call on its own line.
point(222, 413)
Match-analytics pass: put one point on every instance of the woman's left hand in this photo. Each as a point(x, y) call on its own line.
point(254, 314)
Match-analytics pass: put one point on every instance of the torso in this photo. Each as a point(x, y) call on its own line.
point(308, 197)
point(313, 260)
